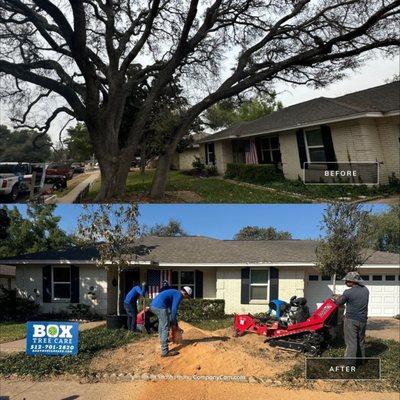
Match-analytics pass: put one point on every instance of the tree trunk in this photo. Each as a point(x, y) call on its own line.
point(142, 162)
point(161, 175)
point(114, 172)
point(334, 284)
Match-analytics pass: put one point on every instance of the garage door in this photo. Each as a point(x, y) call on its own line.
point(384, 292)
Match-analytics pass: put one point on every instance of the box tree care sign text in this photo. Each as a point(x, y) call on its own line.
point(52, 338)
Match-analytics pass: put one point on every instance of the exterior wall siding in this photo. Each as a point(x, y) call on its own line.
point(29, 277)
point(186, 159)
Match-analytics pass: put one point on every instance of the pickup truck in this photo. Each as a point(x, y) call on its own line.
point(59, 170)
point(15, 178)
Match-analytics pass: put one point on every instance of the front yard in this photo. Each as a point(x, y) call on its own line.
point(208, 190)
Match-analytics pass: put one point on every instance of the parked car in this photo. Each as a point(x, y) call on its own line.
point(59, 170)
point(78, 168)
point(15, 179)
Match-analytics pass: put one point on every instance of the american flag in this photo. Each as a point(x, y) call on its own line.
point(250, 152)
point(155, 278)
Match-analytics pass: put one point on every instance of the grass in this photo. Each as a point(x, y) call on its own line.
point(72, 183)
point(387, 350)
point(91, 342)
point(214, 324)
point(211, 190)
point(10, 331)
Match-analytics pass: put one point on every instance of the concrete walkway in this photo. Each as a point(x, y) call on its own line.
point(19, 345)
point(74, 195)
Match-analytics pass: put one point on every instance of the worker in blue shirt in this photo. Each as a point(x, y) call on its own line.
point(165, 305)
point(130, 303)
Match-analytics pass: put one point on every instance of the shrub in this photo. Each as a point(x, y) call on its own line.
point(211, 170)
point(195, 310)
point(80, 311)
point(16, 308)
point(258, 174)
point(198, 165)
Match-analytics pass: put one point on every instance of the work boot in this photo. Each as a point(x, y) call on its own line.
point(171, 353)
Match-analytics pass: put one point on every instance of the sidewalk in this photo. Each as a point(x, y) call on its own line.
point(72, 196)
point(19, 345)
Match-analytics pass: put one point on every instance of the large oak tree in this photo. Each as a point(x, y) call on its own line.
point(83, 57)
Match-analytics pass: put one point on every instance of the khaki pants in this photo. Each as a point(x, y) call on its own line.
point(354, 337)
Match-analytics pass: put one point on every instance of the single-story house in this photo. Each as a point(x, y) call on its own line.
point(7, 277)
point(246, 274)
point(358, 127)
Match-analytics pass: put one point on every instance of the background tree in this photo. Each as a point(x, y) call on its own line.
point(259, 233)
point(235, 110)
point(81, 58)
point(18, 145)
point(385, 230)
point(172, 228)
point(115, 232)
point(39, 230)
point(343, 247)
point(79, 147)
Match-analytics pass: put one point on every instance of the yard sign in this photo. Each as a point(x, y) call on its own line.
point(51, 338)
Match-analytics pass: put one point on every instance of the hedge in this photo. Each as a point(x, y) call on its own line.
point(195, 310)
point(258, 174)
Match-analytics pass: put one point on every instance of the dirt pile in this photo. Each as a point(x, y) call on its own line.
point(201, 353)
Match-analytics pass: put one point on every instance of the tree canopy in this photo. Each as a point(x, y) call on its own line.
point(172, 228)
point(235, 110)
point(20, 145)
point(259, 233)
point(82, 58)
point(38, 231)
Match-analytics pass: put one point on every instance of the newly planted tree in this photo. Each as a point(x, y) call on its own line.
point(82, 58)
point(344, 246)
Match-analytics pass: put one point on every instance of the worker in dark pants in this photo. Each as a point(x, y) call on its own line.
point(356, 299)
point(130, 304)
point(165, 305)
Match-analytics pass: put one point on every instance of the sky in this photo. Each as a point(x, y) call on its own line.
point(222, 221)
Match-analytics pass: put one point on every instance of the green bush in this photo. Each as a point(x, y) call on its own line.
point(258, 174)
point(198, 165)
point(211, 170)
point(16, 308)
point(196, 310)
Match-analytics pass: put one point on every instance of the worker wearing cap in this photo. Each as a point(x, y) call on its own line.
point(356, 299)
point(130, 304)
point(165, 305)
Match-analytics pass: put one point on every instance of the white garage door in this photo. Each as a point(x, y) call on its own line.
point(384, 291)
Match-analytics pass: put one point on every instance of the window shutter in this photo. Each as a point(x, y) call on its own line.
point(206, 153)
point(328, 146)
point(46, 275)
point(301, 146)
point(74, 284)
point(245, 288)
point(273, 283)
point(212, 153)
point(198, 276)
point(257, 142)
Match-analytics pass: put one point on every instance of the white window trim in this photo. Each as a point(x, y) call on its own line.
point(267, 285)
point(269, 149)
point(59, 299)
point(320, 146)
point(180, 285)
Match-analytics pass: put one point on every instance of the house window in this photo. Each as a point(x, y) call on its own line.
point(390, 277)
point(313, 277)
point(365, 277)
point(326, 278)
point(376, 277)
point(210, 153)
point(61, 283)
point(259, 284)
point(314, 145)
point(269, 149)
point(183, 278)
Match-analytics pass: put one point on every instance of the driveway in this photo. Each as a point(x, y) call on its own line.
point(384, 328)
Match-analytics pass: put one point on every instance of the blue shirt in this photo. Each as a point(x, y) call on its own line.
point(168, 299)
point(134, 294)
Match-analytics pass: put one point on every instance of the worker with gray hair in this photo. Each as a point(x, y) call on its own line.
point(356, 299)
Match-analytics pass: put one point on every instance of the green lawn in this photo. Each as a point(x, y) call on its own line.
point(211, 190)
point(91, 342)
point(10, 331)
point(214, 324)
point(387, 350)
